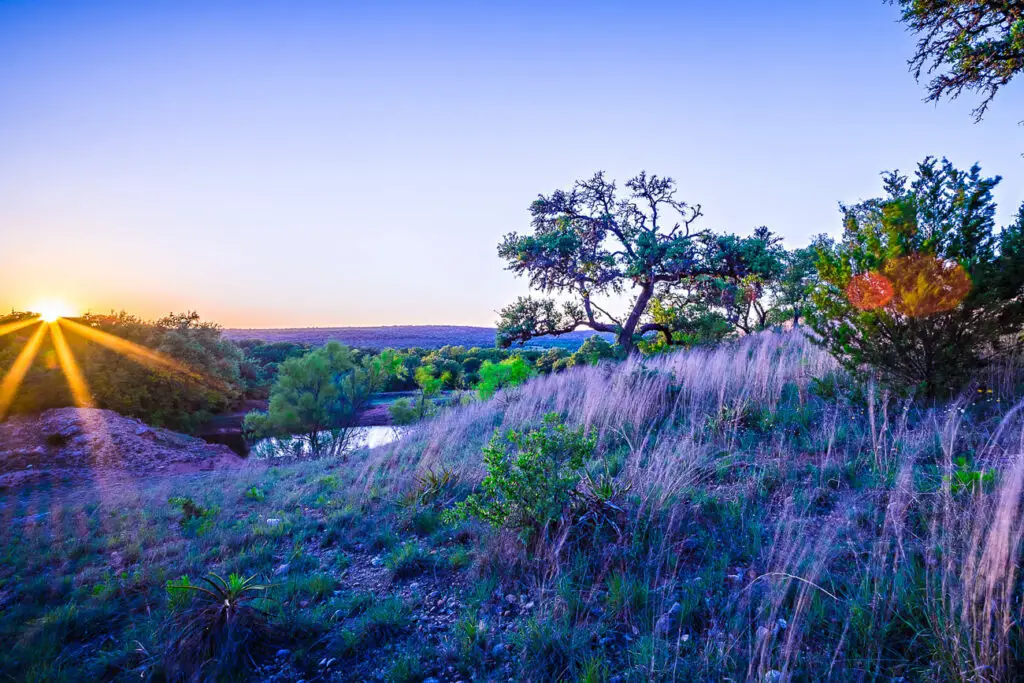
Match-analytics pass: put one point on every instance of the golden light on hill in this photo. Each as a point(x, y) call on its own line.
point(52, 321)
point(137, 353)
point(69, 366)
point(14, 377)
point(51, 310)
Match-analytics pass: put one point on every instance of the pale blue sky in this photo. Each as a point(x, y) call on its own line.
point(331, 163)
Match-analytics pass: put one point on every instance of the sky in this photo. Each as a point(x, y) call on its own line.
point(301, 163)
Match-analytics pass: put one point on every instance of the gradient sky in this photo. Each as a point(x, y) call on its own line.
point(332, 163)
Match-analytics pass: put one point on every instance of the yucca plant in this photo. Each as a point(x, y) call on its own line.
point(218, 633)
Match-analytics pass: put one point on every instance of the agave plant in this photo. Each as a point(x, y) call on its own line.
point(219, 631)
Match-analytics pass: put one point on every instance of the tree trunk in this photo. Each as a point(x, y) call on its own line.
point(625, 338)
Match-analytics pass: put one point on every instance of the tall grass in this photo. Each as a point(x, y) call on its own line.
point(807, 526)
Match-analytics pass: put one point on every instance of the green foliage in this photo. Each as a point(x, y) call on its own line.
point(510, 372)
point(218, 633)
point(589, 242)
point(255, 493)
point(153, 393)
point(317, 397)
point(405, 412)
point(974, 45)
point(179, 592)
point(432, 488)
point(966, 479)
point(921, 289)
point(406, 560)
point(531, 477)
point(195, 519)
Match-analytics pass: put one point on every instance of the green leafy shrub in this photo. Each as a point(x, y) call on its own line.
point(922, 289)
point(510, 372)
point(255, 493)
point(531, 477)
point(195, 519)
point(965, 479)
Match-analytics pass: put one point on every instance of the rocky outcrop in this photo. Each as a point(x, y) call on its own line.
point(73, 442)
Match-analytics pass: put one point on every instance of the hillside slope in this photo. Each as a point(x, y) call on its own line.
point(750, 513)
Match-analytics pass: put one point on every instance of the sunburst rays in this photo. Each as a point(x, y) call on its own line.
point(80, 392)
point(131, 350)
point(69, 366)
point(14, 377)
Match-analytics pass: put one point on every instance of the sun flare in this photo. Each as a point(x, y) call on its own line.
point(49, 311)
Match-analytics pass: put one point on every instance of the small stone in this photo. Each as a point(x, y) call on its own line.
point(510, 599)
point(273, 521)
point(283, 652)
point(498, 651)
point(762, 632)
point(773, 676)
point(377, 561)
point(781, 624)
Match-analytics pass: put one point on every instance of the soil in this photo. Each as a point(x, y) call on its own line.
point(73, 443)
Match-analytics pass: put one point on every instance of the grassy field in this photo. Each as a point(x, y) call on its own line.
point(767, 519)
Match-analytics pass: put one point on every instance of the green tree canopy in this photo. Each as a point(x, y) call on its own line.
point(589, 243)
point(973, 45)
point(510, 372)
point(119, 382)
point(317, 397)
point(922, 289)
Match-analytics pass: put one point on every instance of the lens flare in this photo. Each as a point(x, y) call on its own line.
point(139, 354)
point(926, 284)
point(12, 380)
point(869, 291)
point(69, 366)
point(51, 310)
point(14, 327)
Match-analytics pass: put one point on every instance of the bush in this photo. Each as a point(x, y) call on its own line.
point(921, 289)
point(510, 372)
point(196, 376)
point(531, 477)
point(217, 634)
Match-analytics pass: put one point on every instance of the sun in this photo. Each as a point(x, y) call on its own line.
point(50, 311)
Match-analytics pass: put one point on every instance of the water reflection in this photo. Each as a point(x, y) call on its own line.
point(362, 437)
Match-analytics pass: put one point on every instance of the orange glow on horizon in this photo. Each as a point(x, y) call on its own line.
point(51, 309)
point(12, 380)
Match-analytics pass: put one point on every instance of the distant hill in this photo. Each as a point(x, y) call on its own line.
point(401, 336)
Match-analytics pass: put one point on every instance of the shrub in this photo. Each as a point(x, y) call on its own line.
point(529, 486)
point(255, 493)
point(406, 560)
point(218, 633)
point(921, 289)
point(195, 519)
point(510, 372)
